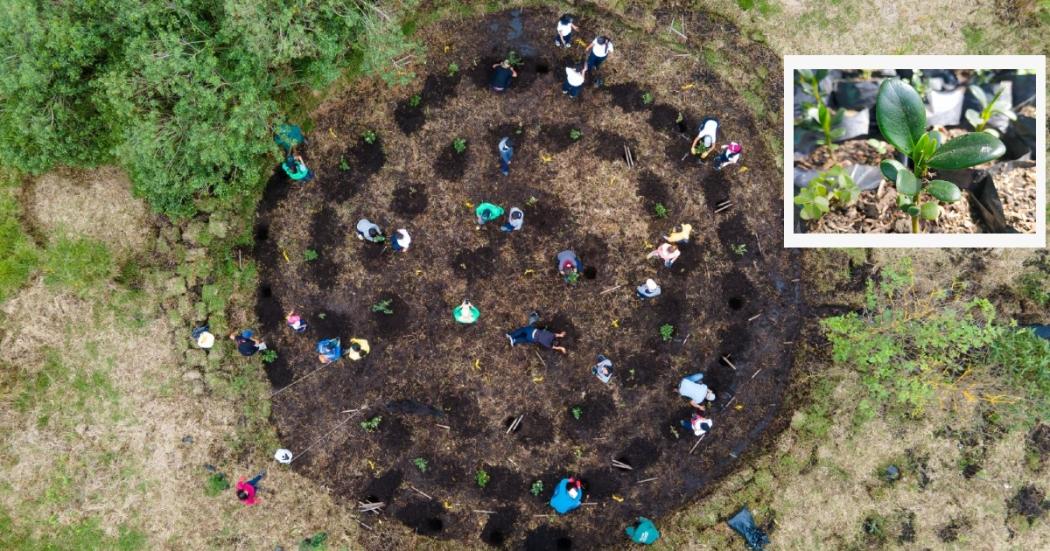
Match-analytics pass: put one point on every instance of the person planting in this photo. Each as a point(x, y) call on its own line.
point(466, 313)
point(246, 490)
point(649, 289)
point(668, 252)
point(369, 231)
point(706, 137)
point(358, 349)
point(691, 387)
point(506, 153)
point(574, 79)
point(329, 350)
point(569, 265)
point(699, 423)
point(515, 220)
point(530, 334)
point(247, 343)
point(597, 51)
point(487, 212)
point(679, 234)
point(568, 495)
point(400, 241)
point(295, 322)
point(730, 155)
point(643, 531)
point(295, 167)
point(501, 77)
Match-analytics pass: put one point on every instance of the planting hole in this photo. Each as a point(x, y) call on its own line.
point(510, 421)
point(542, 68)
point(372, 499)
point(563, 544)
point(497, 538)
point(435, 524)
point(736, 303)
point(266, 291)
point(262, 233)
point(625, 460)
point(590, 272)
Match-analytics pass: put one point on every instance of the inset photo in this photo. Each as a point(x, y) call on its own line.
point(915, 151)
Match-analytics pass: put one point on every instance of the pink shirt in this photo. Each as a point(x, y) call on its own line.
point(665, 252)
point(248, 489)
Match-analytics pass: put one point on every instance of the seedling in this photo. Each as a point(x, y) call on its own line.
point(531, 201)
point(575, 134)
point(415, 100)
point(740, 249)
point(322, 315)
point(453, 68)
point(310, 254)
point(979, 121)
point(343, 165)
point(919, 82)
point(578, 452)
point(902, 120)
point(572, 277)
point(659, 210)
point(459, 145)
point(269, 355)
point(482, 478)
point(630, 374)
point(820, 115)
point(680, 118)
point(666, 332)
point(674, 432)
point(577, 412)
point(383, 306)
point(315, 542)
point(831, 186)
point(878, 145)
point(514, 59)
point(421, 464)
point(372, 424)
point(537, 488)
point(647, 98)
point(369, 137)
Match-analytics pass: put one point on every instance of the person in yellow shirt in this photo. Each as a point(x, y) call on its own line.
point(679, 234)
point(358, 349)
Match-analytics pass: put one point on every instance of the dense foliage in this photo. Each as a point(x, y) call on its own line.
point(182, 94)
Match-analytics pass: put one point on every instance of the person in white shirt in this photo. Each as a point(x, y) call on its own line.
point(574, 78)
point(706, 137)
point(598, 50)
point(400, 241)
point(565, 28)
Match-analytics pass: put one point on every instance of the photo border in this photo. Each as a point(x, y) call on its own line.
point(930, 240)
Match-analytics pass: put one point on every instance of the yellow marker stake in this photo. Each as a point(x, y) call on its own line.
point(529, 271)
point(332, 132)
point(477, 364)
point(743, 169)
point(537, 379)
point(688, 86)
point(546, 158)
point(468, 204)
point(285, 256)
point(419, 272)
point(617, 498)
point(738, 407)
point(616, 324)
point(371, 465)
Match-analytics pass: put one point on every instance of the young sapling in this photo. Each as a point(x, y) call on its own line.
point(269, 355)
point(421, 464)
point(739, 249)
point(383, 306)
point(372, 424)
point(453, 68)
point(459, 145)
point(537, 488)
point(575, 134)
point(819, 115)
point(979, 120)
point(666, 332)
point(482, 478)
point(369, 137)
point(817, 197)
point(309, 255)
point(415, 100)
point(659, 210)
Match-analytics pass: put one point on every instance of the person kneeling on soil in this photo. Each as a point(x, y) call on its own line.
point(569, 265)
point(502, 75)
point(246, 490)
point(515, 220)
point(649, 289)
point(369, 231)
point(698, 423)
point(329, 350)
point(400, 240)
point(247, 343)
point(531, 334)
point(679, 234)
point(466, 313)
point(668, 252)
point(691, 387)
point(730, 155)
point(358, 349)
point(487, 212)
point(296, 169)
point(706, 137)
point(295, 322)
point(574, 78)
point(568, 495)
point(643, 531)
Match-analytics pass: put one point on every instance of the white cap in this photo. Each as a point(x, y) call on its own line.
point(710, 396)
point(205, 340)
point(283, 456)
point(651, 285)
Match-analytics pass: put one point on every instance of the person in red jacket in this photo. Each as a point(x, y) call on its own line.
point(246, 490)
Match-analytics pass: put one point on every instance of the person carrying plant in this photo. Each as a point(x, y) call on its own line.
point(691, 387)
point(487, 212)
point(466, 313)
point(679, 234)
point(295, 322)
point(643, 531)
point(369, 231)
point(649, 289)
point(295, 167)
point(568, 495)
point(247, 343)
point(400, 241)
point(730, 155)
point(515, 220)
point(706, 137)
point(565, 28)
point(287, 136)
point(569, 265)
point(501, 77)
point(358, 349)
point(506, 153)
point(329, 350)
point(246, 490)
point(597, 51)
point(574, 78)
point(668, 252)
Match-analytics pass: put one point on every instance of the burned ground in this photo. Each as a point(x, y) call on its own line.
point(448, 394)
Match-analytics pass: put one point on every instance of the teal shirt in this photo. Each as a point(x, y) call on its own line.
point(646, 532)
point(465, 315)
point(488, 212)
point(296, 170)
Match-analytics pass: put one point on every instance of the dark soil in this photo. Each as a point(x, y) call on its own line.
point(558, 137)
point(664, 118)
point(500, 527)
point(450, 164)
point(608, 146)
point(1039, 441)
point(951, 531)
point(1029, 502)
point(409, 119)
point(627, 96)
point(409, 200)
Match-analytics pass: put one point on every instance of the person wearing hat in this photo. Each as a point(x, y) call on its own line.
point(283, 456)
point(643, 531)
point(369, 231)
point(501, 77)
point(295, 322)
point(358, 349)
point(515, 220)
point(668, 252)
point(329, 350)
point(565, 28)
point(569, 264)
point(597, 51)
point(466, 313)
point(679, 234)
point(730, 155)
point(247, 343)
point(506, 153)
point(296, 168)
point(574, 79)
point(203, 337)
point(568, 495)
point(691, 387)
point(487, 212)
point(400, 240)
point(699, 423)
point(706, 137)
point(649, 289)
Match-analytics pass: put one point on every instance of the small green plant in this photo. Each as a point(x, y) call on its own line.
point(531, 201)
point(453, 68)
point(369, 136)
point(979, 120)
point(310, 254)
point(674, 432)
point(680, 118)
point(415, 100)
point(647, 98)
point(343, 165)
point(322, 315)
point(537, 488)
point(630, 373)
point(482, 478)
point(315, 542)
point(901, 117)
point(572, 277)
point(459, 145)
point(819, 116)
point(514, 59)
point(575, 134)
point(578, 453)
point(834, 185)
point(577, 412)
point(920, 83)
point(383, 306)
point(269, 355)
point(216, 484)
point(421, 464)
point(372, 424)
point(878, 145)
point(666, 332)
point(659, 210)
point(739, 249)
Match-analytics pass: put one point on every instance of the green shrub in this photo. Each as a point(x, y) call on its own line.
point(666, 332)
point(421, 464)
point(216, 484)
point(537, 488)
point(659, 210)
point(315, 542)
point(833, 185)
point(459, 145)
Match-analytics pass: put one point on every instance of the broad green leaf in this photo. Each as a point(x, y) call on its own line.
point(973, 117)
point(802, 198)
point(967, 150)
point(978, 93)
point(919, 149)
point(805, 73)
point(838, 133)
point(822, 203)
point(930, 211)
point(931, 146)
point(903, 200)
point(906, 183)
point(811, 212)
point(900, 113)
point(944, 191)
point(889, 169)
point(936, 136)
point(819, 74)
point(912, 210)
point(819, 190)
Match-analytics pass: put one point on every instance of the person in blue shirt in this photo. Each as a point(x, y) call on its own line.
point(502, 76)
point(329, 350)
point(506, 153)
point(568, 495)
point(643, 531)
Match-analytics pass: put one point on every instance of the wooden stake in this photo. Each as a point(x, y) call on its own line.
point(697, 444)
point(752, 318)
point(420, 492)
point(479, 511)
point(361, 523)
point(724, 208)
point(726, 360)
point(622, 465)
point(446, 427)
point(540, 358)
point(515, 424)
point(610, 289)
point(647, 480)
point(756, 373)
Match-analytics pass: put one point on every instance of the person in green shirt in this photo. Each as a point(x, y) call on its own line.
point(296, 169)
point(466, 313)
point(643, 531)
point(487, 212)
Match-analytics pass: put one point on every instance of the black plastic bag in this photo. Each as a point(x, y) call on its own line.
point(744, 524)
point(856, 94)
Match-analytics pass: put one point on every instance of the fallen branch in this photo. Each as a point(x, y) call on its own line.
point(752, 318)
point(370, 507)
point(756, 373)
point(362, 524)
point(420, 492)
point(610, 289)
point(479, 511)
point(540, 358)
point(446, 427)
